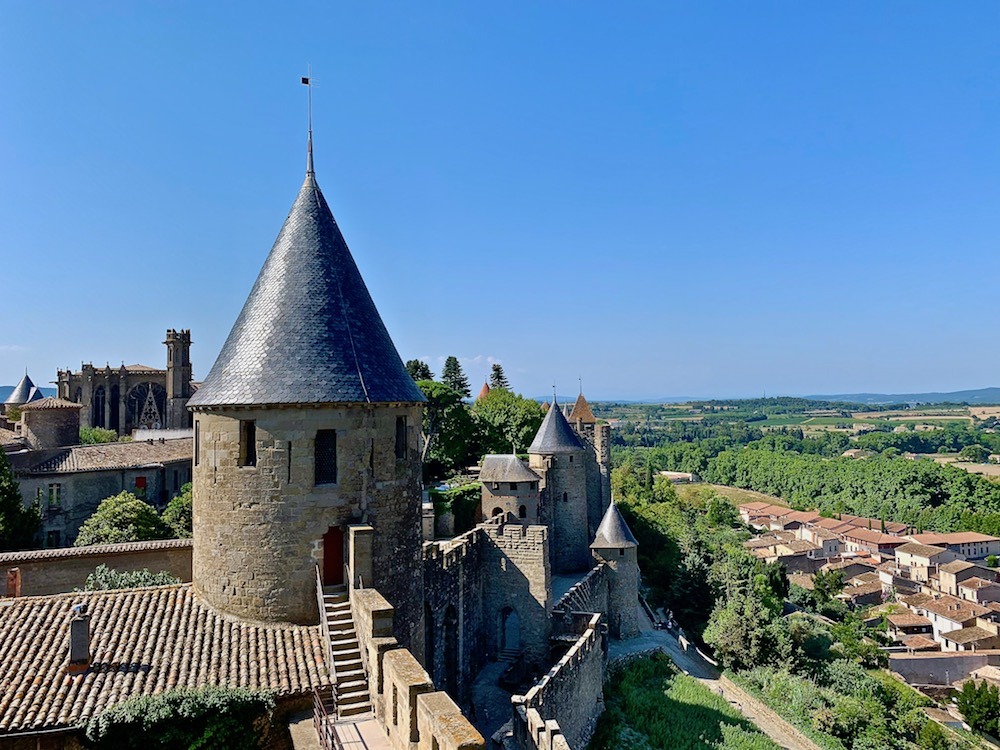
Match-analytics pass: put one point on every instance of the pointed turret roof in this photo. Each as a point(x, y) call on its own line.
point(484, 391)
point(613, 533)
point(555, 435)
point(309, 332)
point(22, 392)
point(582, 411)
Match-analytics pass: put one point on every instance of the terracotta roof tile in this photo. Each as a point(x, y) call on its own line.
point(143, 641)
point(95, 549)
point(51, 402)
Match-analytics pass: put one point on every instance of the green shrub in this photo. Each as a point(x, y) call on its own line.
point(104, 578)
point(216, 718)
point(91, 435)
point(178, 514)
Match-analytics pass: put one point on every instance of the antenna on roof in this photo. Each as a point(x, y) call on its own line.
point(307, 82)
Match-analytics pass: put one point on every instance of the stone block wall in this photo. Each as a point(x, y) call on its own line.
point(406, 705)
point(941, 668)
point(56, 571)
point(568, 699)
point(454, 576)
point(518, 578)
point(258, 529)
point(589, 594)
point(564, 508)
point(499, 496)
point(51, 428)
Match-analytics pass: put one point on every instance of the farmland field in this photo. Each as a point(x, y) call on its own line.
point(734, 494)
point(650, 704)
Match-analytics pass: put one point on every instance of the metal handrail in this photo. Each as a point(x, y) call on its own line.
point(323, 724)
point(324, 623)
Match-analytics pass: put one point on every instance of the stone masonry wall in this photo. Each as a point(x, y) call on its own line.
point(564, 508)
point(412, 713)
point(51, 428)
point(47, 572)
point(517, 577)
point(568, 699)
point(258, 530)
point(453, 578)
point(589, 594)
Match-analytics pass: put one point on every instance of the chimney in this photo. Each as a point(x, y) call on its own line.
point(79, 641)
point(14, 582)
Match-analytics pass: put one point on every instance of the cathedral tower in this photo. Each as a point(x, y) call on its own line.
point(178, 378)
point(307, 422)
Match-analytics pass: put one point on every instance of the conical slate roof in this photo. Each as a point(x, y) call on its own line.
point(309, 332)
point(22, 392)
point(582, 411)
point(555, 435)
point(613, 533)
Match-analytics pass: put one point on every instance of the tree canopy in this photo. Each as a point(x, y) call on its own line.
point(104, 578)
point(178, 514)
point(419, 370)
point(18, 523)
point(122, 518)
point(449, 433)
point(453, 376)
point(506, 421)
point(497, 377)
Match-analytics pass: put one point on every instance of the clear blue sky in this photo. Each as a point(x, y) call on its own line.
point(707, 199)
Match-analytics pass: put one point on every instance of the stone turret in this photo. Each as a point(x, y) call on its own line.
point(558, 454)
point(615, 546)
point(307, 422)
point(50, 423)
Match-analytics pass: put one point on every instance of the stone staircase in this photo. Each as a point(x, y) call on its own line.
point(351, 684)
point(509, 655)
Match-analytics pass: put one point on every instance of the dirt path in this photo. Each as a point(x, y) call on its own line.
point(691, 663)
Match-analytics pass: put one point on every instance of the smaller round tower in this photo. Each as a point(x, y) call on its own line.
point(615, 546)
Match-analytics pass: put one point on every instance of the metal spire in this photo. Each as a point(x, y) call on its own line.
point(307, 82)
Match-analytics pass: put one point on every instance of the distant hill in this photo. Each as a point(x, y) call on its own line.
point(977, 396)
point(5, 391)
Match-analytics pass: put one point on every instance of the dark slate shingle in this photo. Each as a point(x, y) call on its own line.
point(555, 435)
point(309, 332)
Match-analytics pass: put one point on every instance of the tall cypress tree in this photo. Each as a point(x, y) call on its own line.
point(453, 376)
point(498, 379)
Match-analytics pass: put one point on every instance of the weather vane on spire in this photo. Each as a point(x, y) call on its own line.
point(308, 83)
point(553, 393)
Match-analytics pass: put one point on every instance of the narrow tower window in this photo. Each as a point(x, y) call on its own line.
point(400, 437)
point(326, 457)
point(248, 442)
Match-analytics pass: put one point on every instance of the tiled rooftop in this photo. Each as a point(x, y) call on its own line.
point(95, 549)
point(143, 641)
point(108, 456)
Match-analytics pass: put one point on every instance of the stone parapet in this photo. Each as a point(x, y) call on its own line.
point(567, 700)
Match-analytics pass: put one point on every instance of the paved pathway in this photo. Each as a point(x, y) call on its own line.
point(690, 662)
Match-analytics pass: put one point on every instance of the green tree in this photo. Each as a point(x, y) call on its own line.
point(980, 705)
point(448, 430)
point(932, 737)
point(992, 561)
point(221, 718)
point(419, 370)
point(506, 421)
point(497, 377)
point(122, 518)
point(178, 514)
point(453, 376)
point(104, 578)
point(976, 454)
point(827, 584)
point(18, 523)
point(721, 512)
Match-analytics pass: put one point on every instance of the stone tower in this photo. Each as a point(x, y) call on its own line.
point(597, 435)
point(558, 455)
point(614, 545)
point(178, 378)
point(307, 422)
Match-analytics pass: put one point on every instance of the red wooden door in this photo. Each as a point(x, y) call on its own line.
point(333, 556)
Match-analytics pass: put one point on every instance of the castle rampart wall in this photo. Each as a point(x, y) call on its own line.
point(567, 700)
